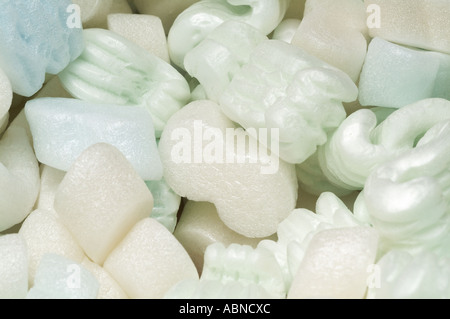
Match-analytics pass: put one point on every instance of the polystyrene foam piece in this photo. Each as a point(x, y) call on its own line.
point(63, 128)
point(149, 261)
point(44, 233)
point(27, 52)
point(253, 189)
point(143, 29)
point(335, 264)
point(13, 267)
point(50, 180)
point(100, 199)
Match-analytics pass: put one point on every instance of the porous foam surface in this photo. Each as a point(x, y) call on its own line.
point(100, 199)
point(13, 267)
point(159, 261)
point(63, 128)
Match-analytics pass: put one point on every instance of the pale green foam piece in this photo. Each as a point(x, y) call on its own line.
point(6, 94)
point(335, 31)
point(215, 60)
point(202, 150)
point(149, 261)
point(13, 267)
point(295, 232)
point(216, 289)
point(19, 177)
point(286, 29)
point(368, 138)
point(400, 275)
point(44, 233)
point(168, 11)
point(422, 24)
point(115, 70)
point(201, 18)
point(143, 29)
point(166, 203)
point(94, 13)
point(58, 277)
point(395, 75)
point(335, 264)
point(100, 199)
point(108, 287)
point(407, 198)
point(63, 128)
point(200, 226)
point(286, 89)
point(244, 264)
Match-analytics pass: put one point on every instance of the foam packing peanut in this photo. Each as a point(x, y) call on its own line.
point(58, 277)
point(57, 240)
point(335, 31)
point(144, 30)
point(395, 75)
point(401, 275)
point(19, 177)
point(285, 88)
point(100, 199)
point(13, 267)
point(159, 261)
point(369, 138)
point(407, 198)
point(63, 128)
point(251, 188)
point(416, 23)
point(285, 31)
point(27, 52)
point(201, 18)
point(200, 226)
point(115, 70)
point(50, 180)
point(335, 264)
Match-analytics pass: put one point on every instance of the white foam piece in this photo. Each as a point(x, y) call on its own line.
point(149, 261)
point(50, 180)
point(63, 128)
point(200, 226)
point(219, 174)
point(58, 277)
point(394, 75)
point(109, 288)
point(167, 11)
point(100, 199)
point(19, 177)
point(44, 233)
point(416, 23)
point(13, 267)
point(335, 264)
point(94, 13)
point(6, 94)
point(335, 32)
point(143, 29)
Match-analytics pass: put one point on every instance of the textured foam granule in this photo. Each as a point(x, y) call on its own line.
point(13, 267)
point(335, 264)
point(143, 29)
point(101, 198)
point(149, 261)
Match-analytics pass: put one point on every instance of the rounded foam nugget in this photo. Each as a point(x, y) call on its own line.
point(44, 233)
point(143, 29)
point(101, 198)
point(13, 267)
point(335, 264)
point(252, 192)
point(149, 261)
point(108, 287)
point(200, 225)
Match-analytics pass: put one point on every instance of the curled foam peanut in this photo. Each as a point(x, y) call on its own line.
point(197, 21)
point(285, 88)
point(368, 138)
point(206, 158)
point(115, 70)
